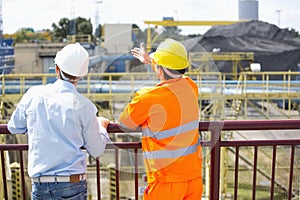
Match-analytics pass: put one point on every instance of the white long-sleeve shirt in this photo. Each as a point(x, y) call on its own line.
point(58, 121)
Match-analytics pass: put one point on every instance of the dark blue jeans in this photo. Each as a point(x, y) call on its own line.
point(58, 191)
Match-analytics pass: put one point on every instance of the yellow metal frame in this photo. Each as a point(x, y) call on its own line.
point(79, 38)
point(205, 58)
point(218, 100)
point(184, 23)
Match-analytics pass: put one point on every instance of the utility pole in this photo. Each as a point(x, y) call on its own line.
point(278, 15)
point(72, 24)
point(1, 37)
point(98, 2)
point(2, 139)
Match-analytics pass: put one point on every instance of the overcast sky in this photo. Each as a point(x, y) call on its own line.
point(40, 14)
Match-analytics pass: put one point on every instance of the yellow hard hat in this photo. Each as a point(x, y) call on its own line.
point(171, 54)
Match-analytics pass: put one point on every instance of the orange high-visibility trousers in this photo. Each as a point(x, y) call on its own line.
point(187, 190)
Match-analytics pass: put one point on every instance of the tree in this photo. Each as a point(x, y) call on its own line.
point(82, 26)
point(294, 32)
point(98, 34)
point(61, 30)
point(25, 35)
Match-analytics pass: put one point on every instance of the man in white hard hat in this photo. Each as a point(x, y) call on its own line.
point(169, 116)
point(59, 121)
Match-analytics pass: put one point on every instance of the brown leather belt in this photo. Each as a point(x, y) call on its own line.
point(75, 178)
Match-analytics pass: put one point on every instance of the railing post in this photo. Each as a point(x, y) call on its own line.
point(98, 179)
point(3, 175)
point(215, 160)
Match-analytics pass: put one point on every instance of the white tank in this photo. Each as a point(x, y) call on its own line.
point(248, 9)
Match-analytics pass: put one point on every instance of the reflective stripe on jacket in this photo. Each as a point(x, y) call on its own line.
point(169, 115)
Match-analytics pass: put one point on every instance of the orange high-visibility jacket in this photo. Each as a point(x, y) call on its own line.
point(169, 116)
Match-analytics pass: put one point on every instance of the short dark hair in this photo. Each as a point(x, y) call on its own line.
point(67, 77)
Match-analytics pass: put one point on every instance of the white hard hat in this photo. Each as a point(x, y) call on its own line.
point(73, 59)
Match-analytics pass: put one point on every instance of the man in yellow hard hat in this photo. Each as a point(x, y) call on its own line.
point(169, 116)
point(59, 121)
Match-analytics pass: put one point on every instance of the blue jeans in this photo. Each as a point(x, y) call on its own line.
point(59, 190)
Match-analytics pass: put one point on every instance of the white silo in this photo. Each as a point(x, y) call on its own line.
point(248, 9)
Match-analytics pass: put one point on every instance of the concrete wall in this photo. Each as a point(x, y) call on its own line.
point(31, 57)
point(117, 38)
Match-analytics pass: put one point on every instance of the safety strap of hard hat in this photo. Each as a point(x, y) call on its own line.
point(171, 74)
point(63, 77)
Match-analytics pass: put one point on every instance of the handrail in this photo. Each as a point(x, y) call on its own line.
point(215, 144)
point(225, 125)
point(228, 125)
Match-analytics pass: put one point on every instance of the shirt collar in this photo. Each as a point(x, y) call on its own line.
point(170, 81)
point(65, 84)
